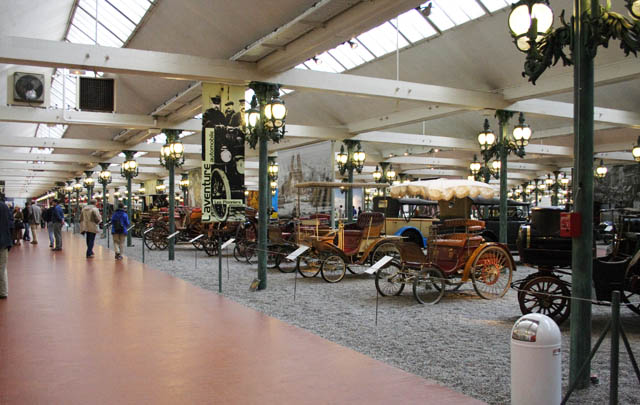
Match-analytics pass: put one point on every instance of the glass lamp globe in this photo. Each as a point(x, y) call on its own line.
point(636, 149)
point(495, 166)
point(635, 9)
point(521, 17)
point(377, 175)
point(601, 171)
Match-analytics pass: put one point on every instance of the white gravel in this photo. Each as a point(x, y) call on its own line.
point(462, 342)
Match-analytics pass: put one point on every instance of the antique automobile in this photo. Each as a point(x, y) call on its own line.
point(352, 247)
point(547, 291)
point(488, 210)
point(410, 218)
point(456, 251)
point(188, 224)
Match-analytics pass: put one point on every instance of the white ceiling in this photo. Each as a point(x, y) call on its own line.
point(478, 55)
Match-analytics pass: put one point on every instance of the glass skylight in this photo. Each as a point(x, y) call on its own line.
point(106, 22)
point(434, 17)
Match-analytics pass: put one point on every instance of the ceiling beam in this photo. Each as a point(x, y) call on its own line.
point(627, 69)
point(28, 51)
point(404, 117)
point(43, 167)
point(565, 110)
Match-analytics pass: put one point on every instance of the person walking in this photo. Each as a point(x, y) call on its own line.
point(26, 220)
point(47, 217)
point(119, 225)
point(6, 240)
point(17, 226)
point(89, 220)
point(57, 218)
point(34, 222)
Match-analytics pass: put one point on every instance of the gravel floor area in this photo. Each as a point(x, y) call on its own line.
point(462, 342)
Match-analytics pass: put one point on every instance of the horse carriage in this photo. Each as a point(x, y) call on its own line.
point(547, 291)
point(456, 252)
point(188, 223)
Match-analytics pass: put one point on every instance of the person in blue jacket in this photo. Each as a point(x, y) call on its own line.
point(119, 225)
point(57, 218)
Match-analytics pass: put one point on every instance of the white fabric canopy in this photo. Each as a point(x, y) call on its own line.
point(444, 189)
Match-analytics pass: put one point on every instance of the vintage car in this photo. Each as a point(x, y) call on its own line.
point(540, 243)
point(488, 210)
point(410, 218)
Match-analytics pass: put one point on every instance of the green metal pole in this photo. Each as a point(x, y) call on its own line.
point(172, 208)
point(504, 152)
point(582, 254)
point(263, 210)
point(556, 187)
point(104, 209)
point(349, 203)
point(129, 213)
point(77, 215)
point(615, 347)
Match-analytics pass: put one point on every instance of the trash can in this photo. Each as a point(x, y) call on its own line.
point(536, 361)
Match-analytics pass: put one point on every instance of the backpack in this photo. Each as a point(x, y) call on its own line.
point(117, 226)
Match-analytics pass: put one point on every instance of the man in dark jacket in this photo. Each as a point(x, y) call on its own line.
point(6, 240)
point(119, 225)
point(26, 220)
point(57, 218)
point(47, 217)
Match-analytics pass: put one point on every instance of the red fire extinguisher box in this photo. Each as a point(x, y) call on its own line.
point(570, 224)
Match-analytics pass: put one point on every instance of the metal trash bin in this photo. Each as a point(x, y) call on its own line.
point(536, 361)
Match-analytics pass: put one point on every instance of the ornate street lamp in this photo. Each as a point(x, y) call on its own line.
point(636, 149)
point(265, 121)
point(500, 148)
point(172, 156)
point(184, 186)
point(104, 178)
point(129, 170)
point(377, 175)
point(352, 159)
point(601, 171)
point(273, 169)
point(475, 166)
point(160, 186)
point(590, 26)
point(390, 175)
point(89, 183)
point(77, 187)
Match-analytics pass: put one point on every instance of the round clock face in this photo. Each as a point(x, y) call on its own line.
point(225, 154)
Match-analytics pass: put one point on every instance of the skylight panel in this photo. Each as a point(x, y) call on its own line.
point(440, 19)
point(414, 27)
point(452, 10)
point(318, 64)
point(133, 9)
point(302, 66)
point(106, 38)
point(346, 59)
point(76, 36)
point(471, 8)
point(327, 59)
point(494, 5)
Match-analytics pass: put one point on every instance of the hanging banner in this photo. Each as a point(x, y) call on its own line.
point(223, 140)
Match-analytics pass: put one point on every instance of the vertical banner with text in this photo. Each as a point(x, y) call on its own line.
point(223, 141)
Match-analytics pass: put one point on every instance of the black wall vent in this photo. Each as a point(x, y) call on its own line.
point(96, 94)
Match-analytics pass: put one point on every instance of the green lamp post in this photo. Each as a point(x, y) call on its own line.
point(172, 156)
point(104, 178)
point(352, 159)
point(88, 184)
point(591, 26)
point(184, 186)
point(77, 187)
point(129, 170)
point(266, 121)
point(499, 148)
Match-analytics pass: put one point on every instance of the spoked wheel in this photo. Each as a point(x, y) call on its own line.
point(491, 272)
point(333, 269)
point(272, 257)
point(239, 251)
point(631, 292)
point(356, 268)
point(385, 249)
point(159, 237)
point(251, 252)
point(211, 246)
point(148, 241)
point(545, 295)
point(308, 265)
point(282, 263)
point(454, 285)
point(199, 244)
point(390, 280)
point(429, 286)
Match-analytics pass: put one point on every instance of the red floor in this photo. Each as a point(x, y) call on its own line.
point(78, 331)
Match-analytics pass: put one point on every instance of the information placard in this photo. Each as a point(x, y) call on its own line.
point(294, 255)
point(377, 265)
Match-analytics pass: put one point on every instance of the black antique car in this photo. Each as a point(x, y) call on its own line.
point(540, 244)
point(488, 210)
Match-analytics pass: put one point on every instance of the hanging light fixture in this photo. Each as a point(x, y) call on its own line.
point(475, 166)
point(272, 169)
point(634, 8)
point(495, 167)
point(601, 170)
point(377, 174)
point(486, 138)
point(636, 149)
point(391, 174)
point(549, 181)
point(530, 20)
point(521, 132)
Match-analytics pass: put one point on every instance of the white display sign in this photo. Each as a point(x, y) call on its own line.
point(377, 265)
point(172, 235)
point(227, 243)
point(294, 255)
